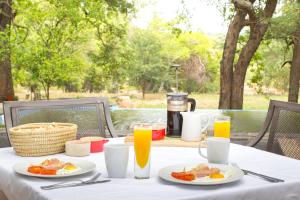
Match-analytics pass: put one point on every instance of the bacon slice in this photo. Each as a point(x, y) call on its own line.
point(199, 171)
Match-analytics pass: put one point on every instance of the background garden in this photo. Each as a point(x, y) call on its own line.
point(76, 48)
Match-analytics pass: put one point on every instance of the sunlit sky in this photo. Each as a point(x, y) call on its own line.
point(204, 17)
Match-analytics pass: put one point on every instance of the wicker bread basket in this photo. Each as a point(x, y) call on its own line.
point(39, 139)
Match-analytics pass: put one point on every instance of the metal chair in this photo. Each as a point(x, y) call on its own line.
point(92, 115)
point(281, 130)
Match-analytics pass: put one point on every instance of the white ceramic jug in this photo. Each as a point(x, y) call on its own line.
point(193, 125)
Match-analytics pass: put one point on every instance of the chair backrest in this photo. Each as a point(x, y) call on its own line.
point(92, 115)
point(282, 129)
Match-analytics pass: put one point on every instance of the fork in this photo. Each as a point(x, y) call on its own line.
point(93, 178)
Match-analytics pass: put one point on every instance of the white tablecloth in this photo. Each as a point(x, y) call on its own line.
point(16, 186)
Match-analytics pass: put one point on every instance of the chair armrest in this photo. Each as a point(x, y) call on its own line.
point(256, 140)
point(2, 196)
point(253, 142)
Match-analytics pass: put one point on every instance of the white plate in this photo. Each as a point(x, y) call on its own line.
point(232, 173)
point(84, 167)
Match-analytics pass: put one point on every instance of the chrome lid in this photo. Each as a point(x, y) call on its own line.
point(177, 94)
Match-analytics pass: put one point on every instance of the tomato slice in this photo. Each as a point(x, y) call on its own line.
point(34, 169)
point(48, 171)
point(186, 176)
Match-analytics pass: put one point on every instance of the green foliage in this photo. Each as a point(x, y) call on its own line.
point(88, 45)
point(155, 49)
point(51, 54)
point(147, 67)
point(285, 25)
point(48, 55)
point(256, 69)
point(267, 69)
point(109, 22)
point(208, 52)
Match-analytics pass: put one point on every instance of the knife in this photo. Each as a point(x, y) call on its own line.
point(268, 178)
point(93, 178)
point(74, 184)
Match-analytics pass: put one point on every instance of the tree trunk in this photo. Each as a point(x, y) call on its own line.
point(257, 32)
point(6, 83)
point(226, 67)
point(295, 70)
point(144, 90)
point(48, 91)
point(239, 75)
point(233, 76)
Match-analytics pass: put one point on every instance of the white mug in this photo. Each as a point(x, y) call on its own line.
point(217, 150)
point(193, 125)
point(116, 159)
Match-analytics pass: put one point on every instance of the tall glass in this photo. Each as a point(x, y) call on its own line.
point(222, 126)
point(142, 145)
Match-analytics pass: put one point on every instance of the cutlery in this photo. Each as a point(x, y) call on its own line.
point(267, 178)
point(93, 178)
point(75, 184)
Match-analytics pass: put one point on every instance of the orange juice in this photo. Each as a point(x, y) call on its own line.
point(222, 129)
point(142, 145)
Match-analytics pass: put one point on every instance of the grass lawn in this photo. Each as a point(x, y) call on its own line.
point(207, 101)
point(204, 101)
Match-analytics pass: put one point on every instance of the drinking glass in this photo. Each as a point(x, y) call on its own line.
point(142, 145)
point(116, 160)
point(222, 126)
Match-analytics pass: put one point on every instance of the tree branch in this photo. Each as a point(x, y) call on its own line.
point(286, 62)
point(99, 34)
point(6, 3)
point(38, 28)
point(247, 7)
point(23, 27)
point(247, 22)
point(5, 15)
point(270, 8)
point(2, 12)
point(296, 36)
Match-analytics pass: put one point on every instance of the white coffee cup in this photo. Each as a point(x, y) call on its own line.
point(116, 159)
point(193, 125)
point(217, 150)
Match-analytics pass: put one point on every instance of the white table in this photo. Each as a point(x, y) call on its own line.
point(27, 188)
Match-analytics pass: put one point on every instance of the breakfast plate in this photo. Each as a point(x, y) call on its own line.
point(230, 173)
point(81, 167)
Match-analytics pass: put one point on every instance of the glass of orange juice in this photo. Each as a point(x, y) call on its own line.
point(222, 126)
point(142, 145)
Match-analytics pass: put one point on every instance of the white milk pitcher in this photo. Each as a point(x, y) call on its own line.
point(193, 125)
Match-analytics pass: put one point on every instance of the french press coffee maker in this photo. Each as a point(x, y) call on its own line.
point(176, 103)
